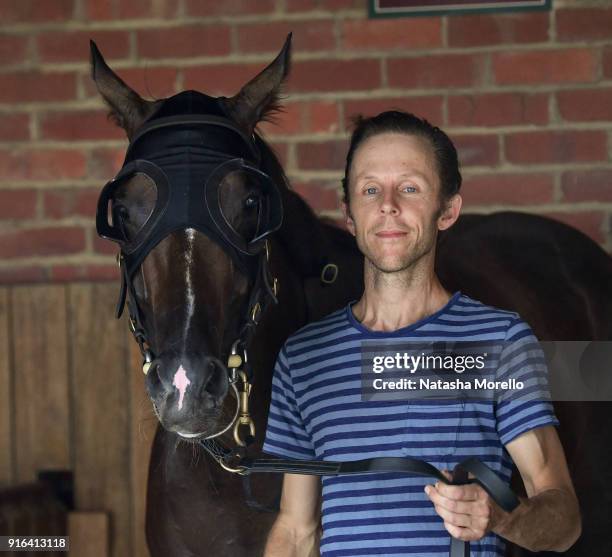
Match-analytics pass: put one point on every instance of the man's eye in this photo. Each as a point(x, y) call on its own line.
point(371, 190)
point(408, 188)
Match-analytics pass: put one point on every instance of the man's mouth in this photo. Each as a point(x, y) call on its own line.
point(391, 233)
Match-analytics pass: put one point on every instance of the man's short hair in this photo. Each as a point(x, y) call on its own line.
point(396, 121)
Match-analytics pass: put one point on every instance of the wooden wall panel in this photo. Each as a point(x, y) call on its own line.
point(79, 403)
point(89, 534)
point(143, 427)
point(102, 392)
point(6, 400)
point(39, 333)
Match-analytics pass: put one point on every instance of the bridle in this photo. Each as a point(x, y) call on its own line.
point(253, 257)
point(238, 153)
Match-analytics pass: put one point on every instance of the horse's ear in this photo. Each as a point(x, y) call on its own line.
point(127, 108)
point(261, 96)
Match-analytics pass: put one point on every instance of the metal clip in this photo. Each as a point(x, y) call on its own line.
point(148, 359)
point(244, 419)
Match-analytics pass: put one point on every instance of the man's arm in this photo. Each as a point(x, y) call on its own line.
point(548, 520)
point(295, 533)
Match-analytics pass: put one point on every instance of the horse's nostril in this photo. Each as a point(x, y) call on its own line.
point(217, 382)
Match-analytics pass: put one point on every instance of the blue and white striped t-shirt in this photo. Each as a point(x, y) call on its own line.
point(317, 412)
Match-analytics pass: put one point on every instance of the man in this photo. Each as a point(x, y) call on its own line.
point(401, 187)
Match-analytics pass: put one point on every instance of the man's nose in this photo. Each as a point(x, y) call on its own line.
point(389, 203)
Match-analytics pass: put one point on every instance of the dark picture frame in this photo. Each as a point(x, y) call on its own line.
point(412, 8)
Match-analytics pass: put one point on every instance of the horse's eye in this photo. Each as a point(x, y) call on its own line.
point(251, 201)
point(122, 212)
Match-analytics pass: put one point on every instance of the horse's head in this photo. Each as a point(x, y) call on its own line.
point(191, 209)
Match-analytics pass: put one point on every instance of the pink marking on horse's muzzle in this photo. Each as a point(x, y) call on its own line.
point(181, 382)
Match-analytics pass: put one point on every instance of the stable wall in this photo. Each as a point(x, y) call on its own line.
point(526, 96)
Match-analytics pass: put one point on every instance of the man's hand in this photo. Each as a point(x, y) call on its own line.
point(468, 511)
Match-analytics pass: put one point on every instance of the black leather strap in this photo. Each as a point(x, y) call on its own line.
point(483, 476)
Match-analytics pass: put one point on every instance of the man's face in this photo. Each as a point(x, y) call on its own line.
point(394, 200)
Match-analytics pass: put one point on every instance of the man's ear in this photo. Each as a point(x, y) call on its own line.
point(348, 217)
point(450, 212)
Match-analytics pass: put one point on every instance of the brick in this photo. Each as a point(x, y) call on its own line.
point(18, 204)
point(607, 62)
point(41, 11)
point(149, 82)
point(15, 127)
point(587, 185)
point(429, 107)
point(33, 86)
point(556, 147)
point(440, 70)
point(590, 223)
point(113, 9)
point(270, 36)
point(229, 7)
point(104, 163)
point(184, 42)
point(324, 155)
point(73, 46)
point(585, 105)
point(42, 241)
point(305, 117)
point(320, 196)
point(508, 189)
point(220, 79)
point(477, 150)
point(13, 49)
point(102, 246)
point(70, 273)
point(391, 34)
point(69, 202)
point(545, 66)
point(22, 274)
point(498, 109)
point(482, 30)
point(335, 75)
point(79, 125)
point(583, 24)
point(47, 164)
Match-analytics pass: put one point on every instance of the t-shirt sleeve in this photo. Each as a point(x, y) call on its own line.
point(520, 410)
point(286, 435)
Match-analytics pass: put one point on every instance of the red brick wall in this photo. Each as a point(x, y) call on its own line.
point(526, 96)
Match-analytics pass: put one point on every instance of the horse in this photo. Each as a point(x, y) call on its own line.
point(190, 291)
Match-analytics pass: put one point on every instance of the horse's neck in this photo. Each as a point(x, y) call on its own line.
point(310, 245)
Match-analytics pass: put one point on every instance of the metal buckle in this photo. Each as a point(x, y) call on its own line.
point(329, 268)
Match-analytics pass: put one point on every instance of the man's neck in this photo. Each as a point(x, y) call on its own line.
point(392, 301)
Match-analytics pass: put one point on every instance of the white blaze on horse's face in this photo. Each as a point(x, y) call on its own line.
point(188, 281)
point(181, 382)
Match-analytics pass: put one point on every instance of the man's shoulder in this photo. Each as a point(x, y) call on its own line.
point(472, 308)
point(326, 326)
point(477, 311)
